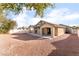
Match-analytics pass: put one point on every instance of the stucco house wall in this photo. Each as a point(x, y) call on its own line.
point(48, 26)
point(31, 29)
point(47, 29)
point(61, 31)
point(38, 31)
point(58, 32)
point(78, 31)
point(54, 33)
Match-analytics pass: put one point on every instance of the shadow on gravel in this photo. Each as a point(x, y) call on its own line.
point(25, 36)
point(66, 47)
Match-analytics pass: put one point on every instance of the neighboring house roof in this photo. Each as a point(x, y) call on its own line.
point(31, 26)
point(40, 23)
point(66, 26)
point(75, 27)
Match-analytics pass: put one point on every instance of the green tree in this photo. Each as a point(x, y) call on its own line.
point(17, 7)
point(6, 25)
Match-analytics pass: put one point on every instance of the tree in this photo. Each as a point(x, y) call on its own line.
point(17, 7)
point(6, 25)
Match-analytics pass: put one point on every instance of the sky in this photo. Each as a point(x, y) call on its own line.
point(62, 13)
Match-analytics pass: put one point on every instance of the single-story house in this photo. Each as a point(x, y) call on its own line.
point(47, 29)
point(75, 30)
point(31, 29)
point(71, 30)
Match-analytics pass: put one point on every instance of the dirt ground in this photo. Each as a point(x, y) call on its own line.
point(24, 44)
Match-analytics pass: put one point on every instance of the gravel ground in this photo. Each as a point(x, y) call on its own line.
point(24, 44)
point(67, 47)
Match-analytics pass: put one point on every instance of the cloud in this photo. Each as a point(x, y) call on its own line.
point(25, 18)
point(63, 14)
point(57, 12)
point(72, 16)
point(21, 19)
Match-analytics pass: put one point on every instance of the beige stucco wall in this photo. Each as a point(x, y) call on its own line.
point(78, 32)
point(31, 30)
point(38, 31)
point(75, 31)
point(46, 25)
point(54, 32)
point(61, 31)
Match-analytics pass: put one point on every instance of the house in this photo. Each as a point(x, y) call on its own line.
point(71, 30)
point(31, 29)
point(68, 29)
point(44, 28)
point(75, 30)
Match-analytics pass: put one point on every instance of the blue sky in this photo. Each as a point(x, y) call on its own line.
point(63, 13)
